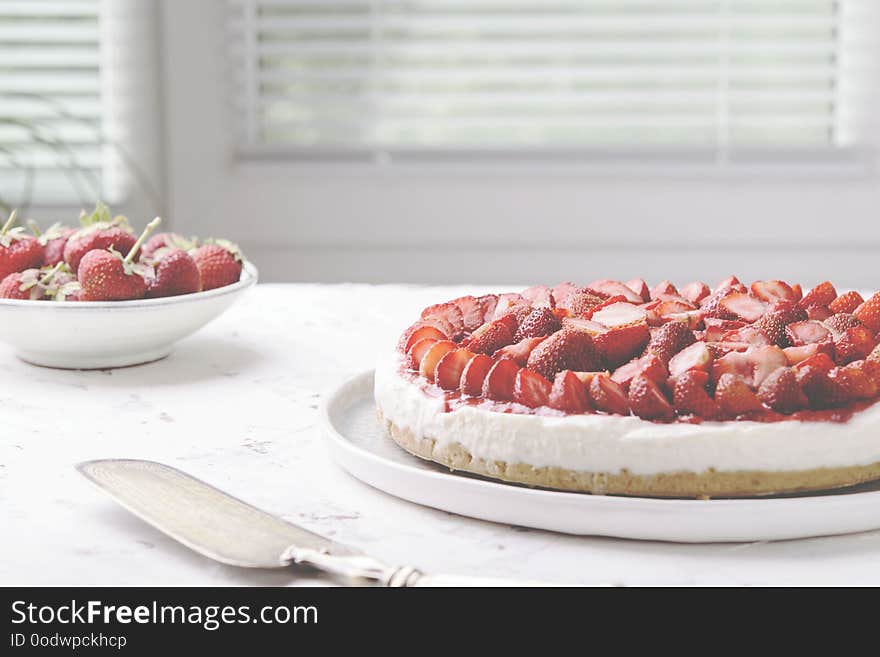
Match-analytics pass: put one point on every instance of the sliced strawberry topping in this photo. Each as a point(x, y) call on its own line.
point(727, 283)
point(520, 351)
point(450, 367)
point(695, 357)
point(416, 353)
point(875, 354)
point(474, 374)
point(618, 314)
point(539, 322)
point(846, 303)
point(540, 296)
point(531, 389)
point(621, 343)
point(647, 401)
point(781, 391)
point(508, 303)
point(797, 355)
point(788, 312)
point(586, 325)
point(821, 295)
point(850, 384)
point(490, 337)
point(772, 326)
point(748, 335)
point(569, 394)
point(818, 313)
point(734, 396)
point(743, 306)
point(500, 381)
point(448, 311)
point(808, 332)
point(488, 302)
point(428, 365)
point(608, 396)
point(771, 291)
point(856, 343)
point(419, 331)
point(839, 323)
point(471, 312)
point(868, 313)
point(562, 291)
point(695, 292)
point(689, 396)
point(564, 350)
point(765, 361)
point(648, 365)
point(673, 307)
point(663, 288)
point(669, 340)
point(615, 288)
point(639, 286)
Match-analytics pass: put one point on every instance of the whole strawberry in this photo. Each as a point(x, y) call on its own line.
point(99, 232)
point(219, 264)
point(54, 240)
point(18, 251)
point(175, 273)
point(34, 284)
point(163, 241)
point(106, 276)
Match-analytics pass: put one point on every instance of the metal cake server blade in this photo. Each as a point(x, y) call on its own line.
point(226, 529)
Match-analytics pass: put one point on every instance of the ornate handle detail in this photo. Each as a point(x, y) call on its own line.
point(358, 569)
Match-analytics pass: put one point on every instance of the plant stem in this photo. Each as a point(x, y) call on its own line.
point(140, 240)
point(9, 223)
point(51, 273)
point(34, 228)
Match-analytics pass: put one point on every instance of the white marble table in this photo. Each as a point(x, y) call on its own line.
point(237, 405)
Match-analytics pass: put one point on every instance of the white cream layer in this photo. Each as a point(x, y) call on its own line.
point(604, 443)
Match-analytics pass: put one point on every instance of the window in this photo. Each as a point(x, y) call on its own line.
point(712, 81)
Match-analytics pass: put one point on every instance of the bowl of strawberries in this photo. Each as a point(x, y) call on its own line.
point(99, 295)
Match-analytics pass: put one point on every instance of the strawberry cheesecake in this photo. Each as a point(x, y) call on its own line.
point(621, 388)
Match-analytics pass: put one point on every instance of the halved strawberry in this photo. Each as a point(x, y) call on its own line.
point(621, 343)
point(716, 328)
point(471, 312)
point(508, 303)
point(689, 396)
point(564, 350)
point(839, 323)
point(727, 283)
point(448, 311)
point(450, 367)
point(745, 307)
point(771, 291)
point(695, 357)
point(639, 286)
point(787, 312)
point(662, 288)
point(562, 291)
point(781, 391)
point(428, 365)
point(695, 292)
point(647, 401)
point(812, 377)
point(808, 332)
point(539, 296)
point(569, 394)
point(798, 292)
point(868, 313)
point(615, 288)
point(797, 355)
point(821, 295)
point(734, 396)
point(474, 374)
point(870, 368)
point(849, 384)
point(618, 314)
point(416, 352)
point(875, 354)
point(673, 307)
point(846, 302)
point(669, 339)
point(736, 363)
point(648, 365)
point(587, 325)
point(490, 337)
point(419, 331)
point(539, 322)
point(520, 351)
point(581, 303)
point(856, 343)
point(500, 381)
point(749, 335)
point(773, 327)
point(531, 389)
point(818, 313)
point(765, 360)
point(608, 396)
point(693, 319)
point(488, 302)
point(819, 361)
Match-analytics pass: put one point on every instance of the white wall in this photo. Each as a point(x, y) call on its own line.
point(437, 224)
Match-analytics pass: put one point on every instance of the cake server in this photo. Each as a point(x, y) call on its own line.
point(224, 528)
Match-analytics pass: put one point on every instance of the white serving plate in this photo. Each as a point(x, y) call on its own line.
point(359, 444)
point(106, 334)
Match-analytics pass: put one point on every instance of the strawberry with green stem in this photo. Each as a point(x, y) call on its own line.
point(98, 232)
point(219, 263)
point(33, 284)
point(18, 251)
point(105, 275)
point(53, 240)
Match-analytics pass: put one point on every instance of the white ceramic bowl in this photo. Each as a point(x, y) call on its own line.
point(105, 334)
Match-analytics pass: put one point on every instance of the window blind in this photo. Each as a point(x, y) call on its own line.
point(50, 101)
point(714, 79)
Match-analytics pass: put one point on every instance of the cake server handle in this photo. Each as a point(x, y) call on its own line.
point(367, 571)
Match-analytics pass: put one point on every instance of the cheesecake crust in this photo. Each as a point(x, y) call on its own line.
point(703, 485)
